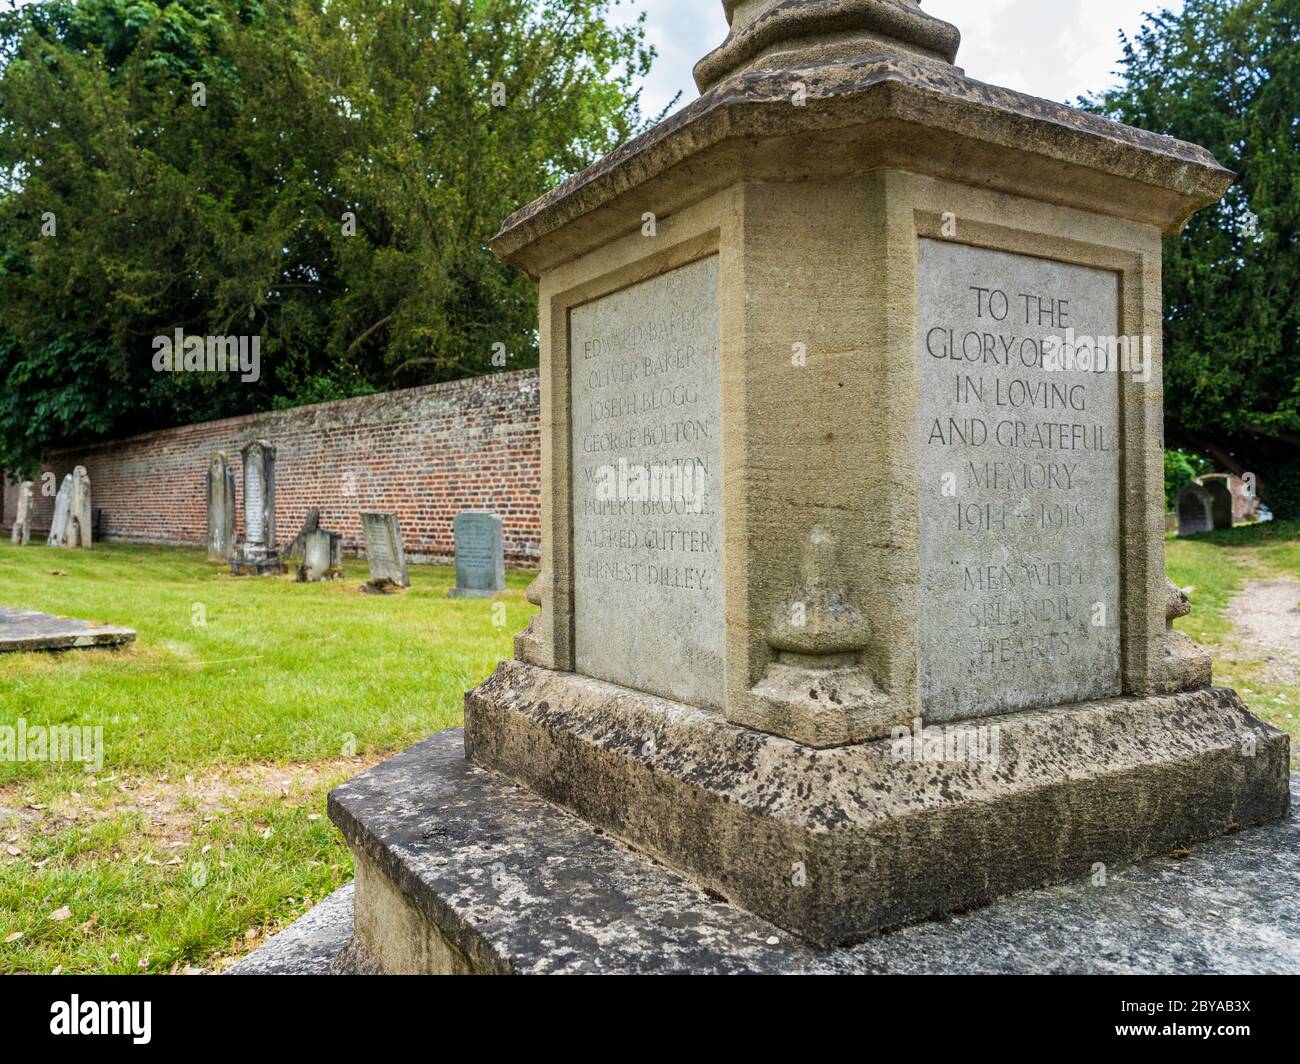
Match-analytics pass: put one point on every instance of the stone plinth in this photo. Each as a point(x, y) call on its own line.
point(459, 870)
point(853, 604)
point(834, 844)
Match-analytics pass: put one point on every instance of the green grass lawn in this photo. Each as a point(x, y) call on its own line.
point(1216, 565)
point(241, 704)
point(244, 701)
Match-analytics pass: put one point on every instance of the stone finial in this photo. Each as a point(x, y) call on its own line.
point(780, 34)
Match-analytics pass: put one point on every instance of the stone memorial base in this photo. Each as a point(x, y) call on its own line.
point(470, 592)
point(257, 567)
point(835, 844)
point(460, 870)
point(26, 630)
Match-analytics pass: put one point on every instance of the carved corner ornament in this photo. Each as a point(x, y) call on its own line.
point(816, 690)
point(1183, 666)
point(528, 643)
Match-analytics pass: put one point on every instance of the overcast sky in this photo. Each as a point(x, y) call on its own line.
point(1052, 48)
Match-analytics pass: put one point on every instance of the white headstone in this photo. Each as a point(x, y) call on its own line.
point(22, 530)
point(384, 551)
point(62, 511)
point(80, 514)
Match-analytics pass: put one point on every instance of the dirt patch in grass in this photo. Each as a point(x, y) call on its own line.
point(1266, 623)
point(165, 808)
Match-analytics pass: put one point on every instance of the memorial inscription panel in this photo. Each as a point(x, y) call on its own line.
point(647, 486)
point(1019, 481)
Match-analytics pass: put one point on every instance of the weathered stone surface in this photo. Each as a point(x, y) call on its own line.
point(258, 554)
point(1020, 475)
point(309, 945)
point(480, 555)
point(62, 514)
point(868, 110)
point(298, 545)
point(496, 880)
point(775, 34)
point(837, 843)
point(81, 517)
point(384, 551)
point(321, 557)
point(647, 486)
point(221, 509)
point(21, 533)
point(27, 630)
point(1186, 666)
point(817, 691)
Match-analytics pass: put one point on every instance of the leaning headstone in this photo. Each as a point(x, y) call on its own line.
point(384, 553)
point(221, 509)
point(299, 544)
point(257, 555)
point(480, 555)
point(848, 673)
point(22, 530)
point(62, 512)
point(1195, 510)
point(321, 557)
point(81, 518)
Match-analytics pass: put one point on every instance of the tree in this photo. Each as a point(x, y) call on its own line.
point(1226, 74)
point(323, 176)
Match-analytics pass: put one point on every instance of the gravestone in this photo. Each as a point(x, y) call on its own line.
point(22, 531)
point(1195, 510)
point(299, 544)
point(1221, 501)
point(852, 492)
point(480, 555)
point(257, 555)
point(62, 514)
point(81, 519)
point(384, 553)
point(221, 509)
point(322, 557)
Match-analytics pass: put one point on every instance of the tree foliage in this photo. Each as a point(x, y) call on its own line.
point(321, 174)
point(1226, 74)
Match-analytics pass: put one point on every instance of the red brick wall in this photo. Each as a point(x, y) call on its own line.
point(424, 454)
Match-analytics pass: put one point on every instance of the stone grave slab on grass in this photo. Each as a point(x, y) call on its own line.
point(22, 630)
